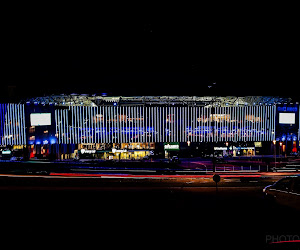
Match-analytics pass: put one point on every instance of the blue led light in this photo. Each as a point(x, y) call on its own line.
point(52, 141)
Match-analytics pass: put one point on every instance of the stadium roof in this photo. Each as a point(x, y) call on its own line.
point(95, 100)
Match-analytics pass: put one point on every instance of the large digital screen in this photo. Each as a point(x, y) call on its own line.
point(40, 119)
point(287, 118)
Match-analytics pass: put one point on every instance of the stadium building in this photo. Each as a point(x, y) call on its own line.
point(103, 127)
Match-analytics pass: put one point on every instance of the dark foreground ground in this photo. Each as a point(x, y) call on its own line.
point(125, 216)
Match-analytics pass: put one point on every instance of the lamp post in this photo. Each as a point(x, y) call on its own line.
point(274, 142)
point(280, 150)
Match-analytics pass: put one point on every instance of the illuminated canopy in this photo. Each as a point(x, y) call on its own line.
point(95, 100)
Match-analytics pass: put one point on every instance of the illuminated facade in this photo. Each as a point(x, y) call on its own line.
point(129, 125)
point(123, 124)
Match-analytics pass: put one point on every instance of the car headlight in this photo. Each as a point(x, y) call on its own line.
point(266, 188)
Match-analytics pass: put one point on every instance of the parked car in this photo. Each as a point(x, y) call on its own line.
point(146, 157)
point(286, 192)
point(16, 158)
point(175, 159)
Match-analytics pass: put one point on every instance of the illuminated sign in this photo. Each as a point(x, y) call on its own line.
point(288, 109)
point(88, 151)
point(258, 144)
point(233, 148)
point(287, 118)
point(220, 148)
point(6, 152)
point(118, 150)
point(40, 119)
point(171, 146)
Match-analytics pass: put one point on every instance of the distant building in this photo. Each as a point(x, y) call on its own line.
point(70, 126)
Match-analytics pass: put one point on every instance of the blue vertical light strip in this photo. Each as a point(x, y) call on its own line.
point(89, 125)
point(12, 121)
point(16, 124)
point(17, 115)
point(108, 125)
point(24, 140)
point(226, 123)
point(258, 123)
point(110, 134)
point(105, 124)
point(299, 123)
point(56, 125)
point(7, 119)
point(12, 130)
point(77, 125)
point(9, 124)
point(200, 123)
point(145, 124)
point(55, 119)
point(73, 127)
point(86, 121)
point(205, 120)
point(254, 123)
point(220, 118)
point(236, 123)
point(247, 124)
point(64, 126)
point(97, 123)
point(135, 124)
point(6, 131)
point(124, 120)
point(67, 135)
point(250, 121)
point(83, 131)
point(169, 122)
point(61, 122)
point(126, 124)
point(158, 112)
point(21, 124)
point(114, 124)
point(263, 112)
point(263, 123)
point(120, 125)
point(164, 124)
point(80, 122)
point(274, 122)
point(269, 123)
point(94, 125)
point(1, 123)
point(152, 127)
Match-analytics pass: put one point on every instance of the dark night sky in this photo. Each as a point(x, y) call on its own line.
point(54, 51)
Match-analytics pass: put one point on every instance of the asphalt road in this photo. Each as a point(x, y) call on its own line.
point(123, 214)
